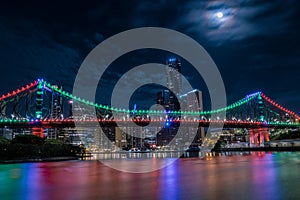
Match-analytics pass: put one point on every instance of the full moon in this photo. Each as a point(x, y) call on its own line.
point(219, 15)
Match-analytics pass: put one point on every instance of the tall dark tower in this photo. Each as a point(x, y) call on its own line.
point(159, 99)
point(56, 106)
point(56, 113)
point(174, 81)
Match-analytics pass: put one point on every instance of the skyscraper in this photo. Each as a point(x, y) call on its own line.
point(167, 97)
point(159, 99)
point(56, 105)
point(192, 101)
point(56, 113)
point(174, 81)
point(173, 99)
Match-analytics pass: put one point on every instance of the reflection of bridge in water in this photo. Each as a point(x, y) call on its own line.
point(44, 109)
point(144, 155)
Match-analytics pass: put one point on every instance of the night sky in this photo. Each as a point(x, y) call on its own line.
point(255, 44)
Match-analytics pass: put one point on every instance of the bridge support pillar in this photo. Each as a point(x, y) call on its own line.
point(258, 137)
point(251, 139)
point(266, 134)
point(255, 137)
point(38, 131)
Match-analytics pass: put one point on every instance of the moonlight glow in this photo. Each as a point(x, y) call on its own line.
point(219, 15)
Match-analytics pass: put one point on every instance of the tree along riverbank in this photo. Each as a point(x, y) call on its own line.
point(31, 148)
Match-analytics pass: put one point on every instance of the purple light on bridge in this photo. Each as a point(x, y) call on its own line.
point(253, 94)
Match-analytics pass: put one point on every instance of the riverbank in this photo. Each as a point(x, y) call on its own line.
point(33, 160)
point(31, 148)
point(296, 148)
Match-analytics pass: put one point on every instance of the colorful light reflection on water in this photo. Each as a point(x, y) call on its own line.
point(255, 176)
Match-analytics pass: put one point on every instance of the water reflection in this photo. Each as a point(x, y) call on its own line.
point(255, 175)
point(133, 155)
point(169, 180)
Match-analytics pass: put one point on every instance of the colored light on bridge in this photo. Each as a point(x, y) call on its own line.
point(279, 107)
point(257, 96)
point(15, 92)
point(239, 103)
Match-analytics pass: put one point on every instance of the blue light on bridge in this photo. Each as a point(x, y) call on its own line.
point(167, 124)
point(253, 94)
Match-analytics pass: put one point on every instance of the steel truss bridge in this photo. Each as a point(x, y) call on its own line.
point(38, 105)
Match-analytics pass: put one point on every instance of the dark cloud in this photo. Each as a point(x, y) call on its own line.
point(241, 19)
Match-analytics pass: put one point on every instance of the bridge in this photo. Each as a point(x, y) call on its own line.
point(40, 105)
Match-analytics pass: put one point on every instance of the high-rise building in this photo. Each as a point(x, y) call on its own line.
point(120, 138)
point(192, 101)
point(56, 106)
point(56, 113)
point(173, 99)
point(70, 103)
point(174, 81)
point(168, 97)
point(159, 99)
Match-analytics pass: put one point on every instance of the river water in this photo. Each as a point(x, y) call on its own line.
point(255, 175)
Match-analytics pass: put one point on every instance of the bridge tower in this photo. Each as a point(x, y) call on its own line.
point(39, 100)
point(259, 135)
point(39, 131)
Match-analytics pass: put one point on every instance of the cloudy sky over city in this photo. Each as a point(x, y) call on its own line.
point(255, 44)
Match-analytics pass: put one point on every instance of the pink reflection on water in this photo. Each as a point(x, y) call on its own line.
point(255, 176)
